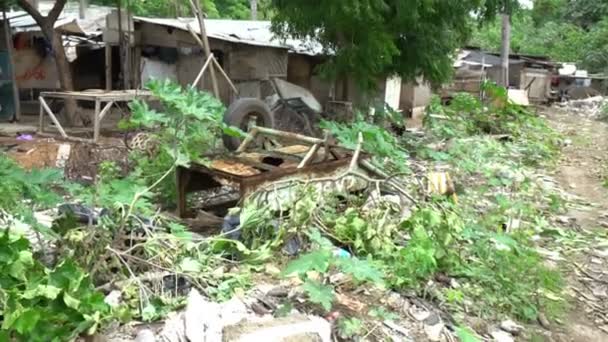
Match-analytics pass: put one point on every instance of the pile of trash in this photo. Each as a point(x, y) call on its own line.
point(591, 107)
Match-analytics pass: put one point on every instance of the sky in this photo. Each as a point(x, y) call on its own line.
point(526, 3)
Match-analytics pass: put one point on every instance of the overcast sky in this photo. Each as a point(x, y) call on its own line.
point(526, 3)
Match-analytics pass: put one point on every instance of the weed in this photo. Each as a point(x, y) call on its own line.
point(349, 328)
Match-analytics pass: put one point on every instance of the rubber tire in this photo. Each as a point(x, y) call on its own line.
point(237, 115)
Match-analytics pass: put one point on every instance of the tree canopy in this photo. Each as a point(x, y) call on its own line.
point(233, 9)
point(369, 39)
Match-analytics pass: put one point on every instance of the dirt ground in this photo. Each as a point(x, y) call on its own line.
point(580, 172)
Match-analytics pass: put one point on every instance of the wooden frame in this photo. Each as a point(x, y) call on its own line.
point(110, 98)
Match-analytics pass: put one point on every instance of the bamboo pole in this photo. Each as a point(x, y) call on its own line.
point(201, 22)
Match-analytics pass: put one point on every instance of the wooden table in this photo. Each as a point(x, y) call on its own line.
point(110, 98)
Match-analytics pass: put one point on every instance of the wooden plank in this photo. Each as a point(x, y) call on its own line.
point(53, 118)
point(105, 110)
point(96, 121)
point(116, 96)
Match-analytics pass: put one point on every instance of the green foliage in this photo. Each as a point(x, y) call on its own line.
point(319, 293)
point(323, 261)
point(190, 125)
point(349, 328)
point(395, 39)
point(233, 9)
point(465, 335)
point(19, 185)
point(379, 142)
point(41, 304)
point(466, 116)
point(572, 32)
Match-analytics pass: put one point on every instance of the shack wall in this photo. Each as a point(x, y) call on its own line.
point(248, 66)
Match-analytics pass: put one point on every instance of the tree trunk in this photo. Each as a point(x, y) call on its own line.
point(254, 9)
point(505, 49)
point(63, 66)
point(65, 80)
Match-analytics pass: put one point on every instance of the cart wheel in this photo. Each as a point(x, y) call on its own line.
point(242, 114)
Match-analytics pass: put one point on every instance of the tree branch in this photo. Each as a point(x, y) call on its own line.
point(56, 11)
point(41, 20)
point(31, 10)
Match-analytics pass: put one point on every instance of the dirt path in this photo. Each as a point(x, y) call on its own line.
point(580, 172)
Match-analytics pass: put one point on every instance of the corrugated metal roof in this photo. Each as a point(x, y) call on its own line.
point(249, 32)
point(68, 21)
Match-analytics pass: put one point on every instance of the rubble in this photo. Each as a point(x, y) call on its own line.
point(591, 107)
point(511, 327)
point(298, 328)
point(206, 321)
point(501, 336)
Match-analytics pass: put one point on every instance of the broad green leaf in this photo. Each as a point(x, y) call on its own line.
point(361, 270)
point(18, 267)
point(319, 293)
point(315, 261)
point(70, 301)
point(46, 291)
point(26, 321)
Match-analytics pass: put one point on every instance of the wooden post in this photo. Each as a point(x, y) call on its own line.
point(505, 49)
point(41, 122)
point(108, 67)
point(96, 121)
point(201, 22)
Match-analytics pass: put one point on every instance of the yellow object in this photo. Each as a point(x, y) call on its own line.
point(440, 183)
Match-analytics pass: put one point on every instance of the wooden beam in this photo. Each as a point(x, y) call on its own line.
point(105, 110)
point(248, 139)
point(196, 37)
point(53, 118)
point(108, 67)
